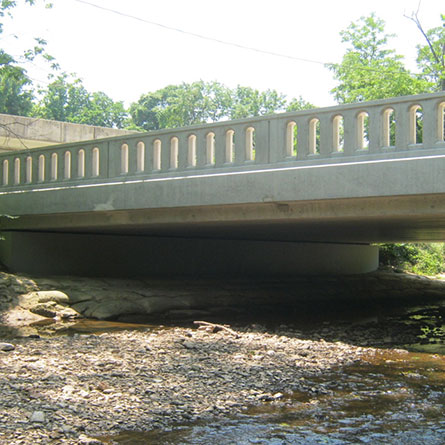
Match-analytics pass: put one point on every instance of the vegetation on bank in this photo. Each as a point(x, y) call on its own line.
point(419, 258)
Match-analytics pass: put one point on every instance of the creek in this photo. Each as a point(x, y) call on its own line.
point(396, 399)
point(396, 396)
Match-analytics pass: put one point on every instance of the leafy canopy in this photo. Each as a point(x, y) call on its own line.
point(369, 69)
point(16, 88)
point(69, 101)
point(200, 102)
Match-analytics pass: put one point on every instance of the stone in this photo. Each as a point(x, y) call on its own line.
point(53, 295)
point(38, 417)
point(44, 309)
point(86, 440)
point(6, 347)
point(67, 313)
point(32, 298)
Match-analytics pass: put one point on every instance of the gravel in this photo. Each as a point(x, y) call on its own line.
point(76, 389)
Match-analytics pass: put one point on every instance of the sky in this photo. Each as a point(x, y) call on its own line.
point(126, 57)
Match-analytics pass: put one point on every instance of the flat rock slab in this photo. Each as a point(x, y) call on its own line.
point(114, 299)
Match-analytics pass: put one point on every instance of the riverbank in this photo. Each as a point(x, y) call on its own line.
point(26, 299)
point(79, 387)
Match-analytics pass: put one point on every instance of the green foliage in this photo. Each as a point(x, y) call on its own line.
point(298, 104)
point(16, 89)
point(200, 102)
point(69, 101)
point(248, 102)
point(431, 57)
point(15, 97)
point(181, 105)
point(369, 70)
point(422, 258)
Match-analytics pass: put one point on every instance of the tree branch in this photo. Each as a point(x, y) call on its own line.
point(440, 60)
point(11, 133)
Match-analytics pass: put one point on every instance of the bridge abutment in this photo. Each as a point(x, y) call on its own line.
point(131, 256)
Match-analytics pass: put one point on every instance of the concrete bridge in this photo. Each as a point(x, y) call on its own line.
point(293, 193)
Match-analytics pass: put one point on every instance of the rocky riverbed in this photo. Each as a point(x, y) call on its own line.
point(70, 389)
point(80, 387)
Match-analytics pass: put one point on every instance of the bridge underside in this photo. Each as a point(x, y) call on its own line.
point(303, 219)
point(268, 239)
point(142, 256)
point(350, 221)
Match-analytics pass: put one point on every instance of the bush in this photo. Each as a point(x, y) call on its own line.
point(421, 258)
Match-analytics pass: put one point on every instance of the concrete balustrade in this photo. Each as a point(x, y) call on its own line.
point(379, 129)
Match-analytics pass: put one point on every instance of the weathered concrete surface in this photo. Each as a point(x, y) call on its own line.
point(361, 202)
point(18, 132)
point(254, 222)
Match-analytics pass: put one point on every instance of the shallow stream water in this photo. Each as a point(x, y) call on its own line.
point(396, 397)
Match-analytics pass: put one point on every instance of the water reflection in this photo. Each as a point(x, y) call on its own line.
point(395, 398)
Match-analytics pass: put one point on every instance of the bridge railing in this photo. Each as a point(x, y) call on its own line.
point(347, 133)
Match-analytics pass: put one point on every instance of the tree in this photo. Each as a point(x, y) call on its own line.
point(16, 92)
point(15, 96)
point(69, 101)
point(298, 104)
point(431, 57)
point(200, 102)
point(248, 102)
point(369, 70)
point(181, 105)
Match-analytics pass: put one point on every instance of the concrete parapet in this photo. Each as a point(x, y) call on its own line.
point(18, 132)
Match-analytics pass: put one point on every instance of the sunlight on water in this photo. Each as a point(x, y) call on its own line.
point(395, 397)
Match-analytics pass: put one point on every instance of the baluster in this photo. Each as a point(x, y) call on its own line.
point(114, 158)
point(182, 151)
point(350, 132)
point(277, 146)
point(220, 146)
point(60, 165)
point(302, 137)
point(240, 144)
point(262, 142)
point(430, 124)
point(165, 152)
point(375, 129)
point(402, 126)
point(201, 148)
point(326, 135)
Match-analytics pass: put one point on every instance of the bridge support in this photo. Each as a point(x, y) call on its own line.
point(132, 256)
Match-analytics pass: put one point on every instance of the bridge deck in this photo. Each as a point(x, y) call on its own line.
point(355, 173)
